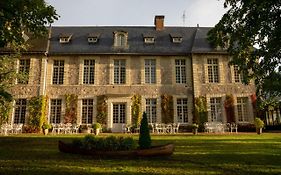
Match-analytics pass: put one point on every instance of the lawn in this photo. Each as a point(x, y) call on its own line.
point(201, 154)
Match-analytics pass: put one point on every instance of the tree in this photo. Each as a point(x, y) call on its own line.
point(17, 18)
point(144, 138)
point(248, 24)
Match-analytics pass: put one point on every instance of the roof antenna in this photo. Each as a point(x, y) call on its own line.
point(183, 18)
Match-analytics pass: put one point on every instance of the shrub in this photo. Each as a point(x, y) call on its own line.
point(259, 123)
point(96, 126)
point(144, 137)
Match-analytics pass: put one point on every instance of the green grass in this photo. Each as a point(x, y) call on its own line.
point(201, 154)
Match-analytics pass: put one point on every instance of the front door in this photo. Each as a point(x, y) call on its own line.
point(119, 116)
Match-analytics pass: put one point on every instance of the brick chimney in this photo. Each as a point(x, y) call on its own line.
point(159, 22)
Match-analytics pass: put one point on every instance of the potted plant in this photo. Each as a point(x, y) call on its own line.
point(96, 128)
point(259, 125)
point(46, 127)
point(85, 129)
point(194, 127)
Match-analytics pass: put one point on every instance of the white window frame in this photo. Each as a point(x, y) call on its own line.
point(237, 74)
point(24, 68)
point(180, 71)
point(87, 116)
point(119, 71)
point(58, 72)
point(55, 111)
point(242, 109)
point(213, 70)
point(151, 109)
point(149, 40)
point(119, 113)
point(20, 110)
point(177, 39)
point(150, 71)
point(215, 109)
point(89, 71)
point(182, 110)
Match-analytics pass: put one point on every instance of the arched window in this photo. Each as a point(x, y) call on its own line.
point(120, 39)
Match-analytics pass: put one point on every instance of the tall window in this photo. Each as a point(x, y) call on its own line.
point(87, 111)
point(119, 113)
point(119, 71)
point(242, 109)
point(216, 114)
point(150, 71)
point(58, 71)
point(121, 40)
point(213, 70)
point(20, 111)
point(182, 110)
point(89, 72)
point(24, 66)
point(150, 109)
point(237, 74)
point(55, 116)
point(180, 71)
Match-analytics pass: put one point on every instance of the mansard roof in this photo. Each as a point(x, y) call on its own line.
point(194, 40)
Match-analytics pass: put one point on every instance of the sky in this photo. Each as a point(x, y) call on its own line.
point(206, 13)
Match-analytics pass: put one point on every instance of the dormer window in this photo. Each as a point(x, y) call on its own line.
point(65, 38)
point(176, 38)
point(120, 39)
point(148, 38)
point(93, 38)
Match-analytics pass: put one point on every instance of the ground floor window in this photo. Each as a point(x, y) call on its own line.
point(215, 105)
point(87, 111)
point(182, 110)
point(55, 115)
point(119, 113)
point(242, 109)
point(150, 108)
point(20, 111)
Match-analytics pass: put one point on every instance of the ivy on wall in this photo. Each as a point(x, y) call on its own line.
point(102, 109)
point(167, 107)
point(229, 108)
point(5, 109)
point(200, 111)
point(71, 102)
point(136, 110)
point(37, 108)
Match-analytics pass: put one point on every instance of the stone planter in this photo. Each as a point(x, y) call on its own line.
point(195, 131)
point(97, 131)
point(45, 131)
point(259, 130)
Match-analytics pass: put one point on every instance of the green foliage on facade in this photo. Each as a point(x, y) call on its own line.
point(102, 109)
point(229, 108)
point(144, 137)
point(200, 111)
point(167, 107)
point(71, 101)
point(37, 108)
point(136, 110)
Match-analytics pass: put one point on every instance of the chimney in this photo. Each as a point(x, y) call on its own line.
point(159, 22)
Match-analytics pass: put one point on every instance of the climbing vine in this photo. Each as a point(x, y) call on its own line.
point(200, 111)
point(167, 108)
point(5, 109)
point(102, 109)
point(71, 101)
point(136, 110)
point(37, 108)
point(229, 108)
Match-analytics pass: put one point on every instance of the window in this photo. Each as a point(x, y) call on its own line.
point(213, 70)
point(149, 40)
point(24, 66)
point(58, 72)
point(215, 104)
point(89, 72)
point(150, 71)
point(120, 39)
point(182, 110)
point(119, 71)
point(119, 113)
point(237, 75)
point(177, 39)
point(150, 108)
point(180, 71)
point(92, 40)
point(65, 38)
point(20, 111)
point(55, 115)
point(242, 109)
point(87, 111)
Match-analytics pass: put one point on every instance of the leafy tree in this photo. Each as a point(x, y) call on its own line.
point(144, 137)
point(250, 23)
point(18, 17)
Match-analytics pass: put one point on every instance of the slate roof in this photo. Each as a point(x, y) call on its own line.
point(163, 44)
point(194, 40)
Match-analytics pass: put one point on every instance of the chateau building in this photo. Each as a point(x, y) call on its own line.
point(119, 62)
